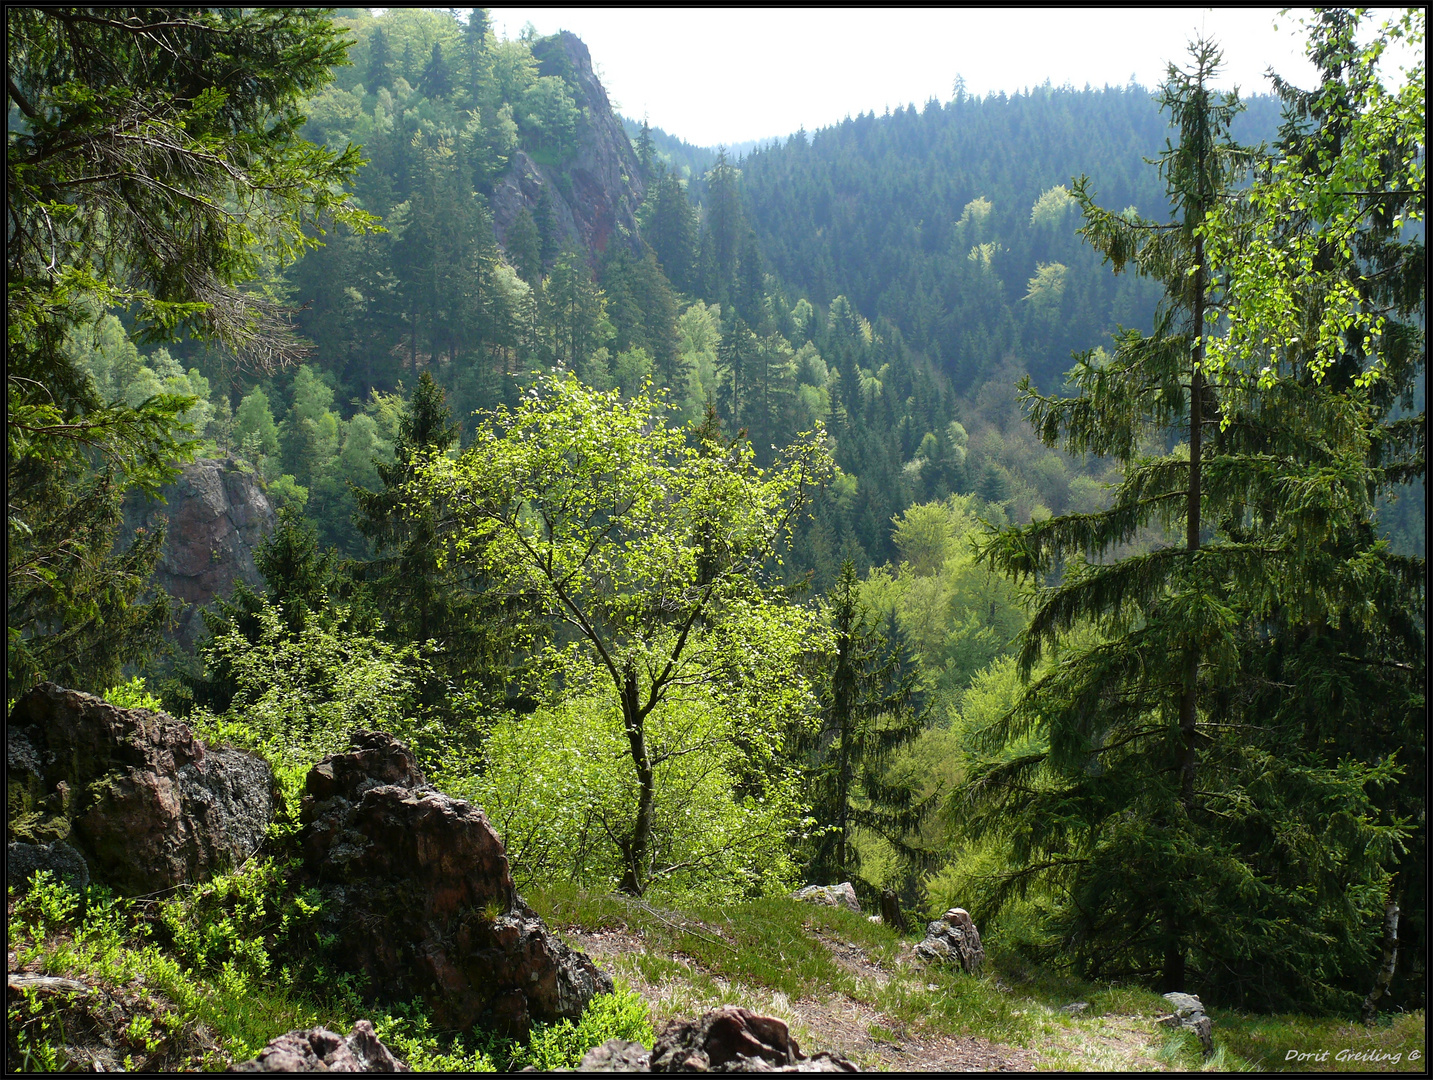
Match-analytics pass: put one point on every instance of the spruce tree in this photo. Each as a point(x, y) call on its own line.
point(423, 594)
point(436, 81)
point(380, 62)
point(1170, 838)
point(204, 181)
point(870, 709)
point(524, 247)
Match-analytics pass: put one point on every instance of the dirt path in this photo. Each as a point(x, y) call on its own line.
point(837, 1022)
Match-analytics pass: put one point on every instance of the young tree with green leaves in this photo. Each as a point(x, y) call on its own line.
point(650, 550)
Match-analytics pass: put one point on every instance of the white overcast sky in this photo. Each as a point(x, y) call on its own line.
point(713, 76)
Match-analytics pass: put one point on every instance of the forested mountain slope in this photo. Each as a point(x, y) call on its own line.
point(683, 509)
point(948, 220)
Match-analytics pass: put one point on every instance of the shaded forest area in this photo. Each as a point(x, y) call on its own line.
point(989, 502)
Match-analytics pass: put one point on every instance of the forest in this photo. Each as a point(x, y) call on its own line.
point(1014, 503)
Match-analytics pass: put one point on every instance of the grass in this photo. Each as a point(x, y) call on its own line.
point(1325, 1044)
point(764, 954)
point(194, 982)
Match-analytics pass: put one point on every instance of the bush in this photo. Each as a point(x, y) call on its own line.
point(560, 787)
point(621, 1014)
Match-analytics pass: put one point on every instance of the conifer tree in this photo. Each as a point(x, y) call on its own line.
point(673, 234)
point(436, 81)
point(421, 592)
point(644, 149)
point(152, 170)
point(1112, 779)
point(870, 709)
point(380, 62)
point(524, 247)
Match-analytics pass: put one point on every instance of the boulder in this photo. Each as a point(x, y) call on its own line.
point(142, 801)
point(733, 1039)
point(616, 1055)
point(418, 894)
point(321, 1050)
point(215, 515)
point(842, 895)
point(953, 939)
point(62, 861)
point(1189, 1014)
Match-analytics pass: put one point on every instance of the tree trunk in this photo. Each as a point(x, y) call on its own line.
point(1390, 961)
point(636, 849)
point(1188, 700)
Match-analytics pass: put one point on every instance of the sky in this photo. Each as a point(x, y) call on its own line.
point(714, 76)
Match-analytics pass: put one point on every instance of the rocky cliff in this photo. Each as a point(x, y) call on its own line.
point(217, 515)
point(595, 192)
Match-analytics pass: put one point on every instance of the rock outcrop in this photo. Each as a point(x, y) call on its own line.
point(215, 515)
point(1189, 1014)
point(726, 1040)
point(320, 1050)
point(63, 862)
point(842, 895)
point(145, 803)
point(596, 191)
point(953, 939)
point(418, 894)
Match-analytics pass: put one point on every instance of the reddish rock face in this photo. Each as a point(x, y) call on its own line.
point(145, 802)
point(418, 891)
point(215, 515)
point(729, 1039)
point(596, 190)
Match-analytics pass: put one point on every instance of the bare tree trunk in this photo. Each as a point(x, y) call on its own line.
point(1390, 961)
point(636, 849)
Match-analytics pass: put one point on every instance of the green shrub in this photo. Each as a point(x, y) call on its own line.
point(133, 695)
point(559, 783)
point(621, 1014)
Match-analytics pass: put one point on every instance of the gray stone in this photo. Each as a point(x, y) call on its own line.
point(842, 895)
point(616, 1055)
point(1189, 1015)
point(321, 1050)
point(953, 939)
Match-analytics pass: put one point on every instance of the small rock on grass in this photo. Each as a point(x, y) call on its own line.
point(1189, 1015)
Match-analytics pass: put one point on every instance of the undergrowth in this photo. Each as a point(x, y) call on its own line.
point(207, 977)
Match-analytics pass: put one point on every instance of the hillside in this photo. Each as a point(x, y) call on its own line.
point(1007, 510)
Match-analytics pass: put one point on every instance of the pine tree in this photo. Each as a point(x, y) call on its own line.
point(380, 62)
point(1113, 780)
point(644, 149)
point(524, 247)
point(673, 234)
point(156, 232)
point(870, 709)
point(422, 593)
point(436, 81)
